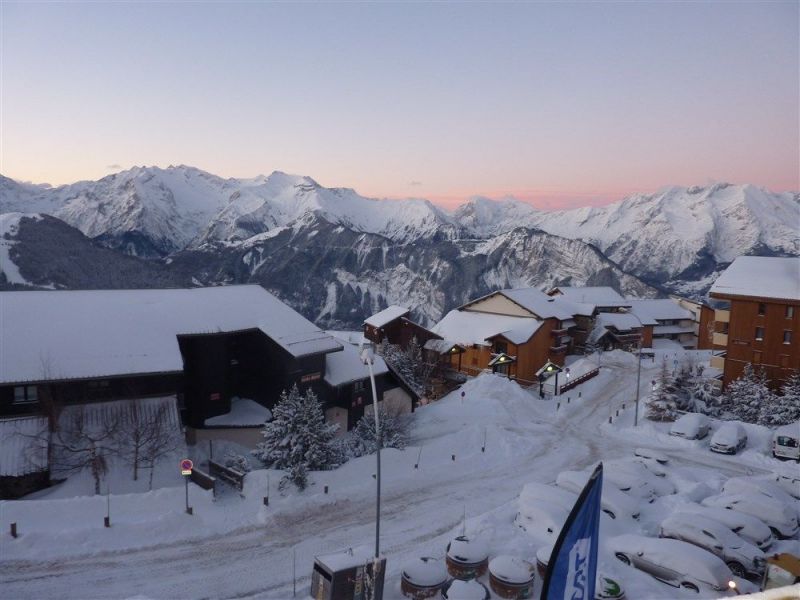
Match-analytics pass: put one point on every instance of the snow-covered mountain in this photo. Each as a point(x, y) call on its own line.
point(676, 237)
point(361, 253)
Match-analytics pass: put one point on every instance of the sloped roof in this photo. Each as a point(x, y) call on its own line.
point(467, 327)
point(539, 303)
point(620, 321)
point(387, 315)
point(50, 335)
point(598, 295)
point(658, 310)
point(761, 277)
point(346, 366)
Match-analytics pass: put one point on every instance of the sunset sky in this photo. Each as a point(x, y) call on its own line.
point(560, 104)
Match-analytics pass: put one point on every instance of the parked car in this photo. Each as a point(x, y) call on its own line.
point(674, 562)
point(759, 485)
point(749, 528)
point(786, 442)
point(728, 439)
point(605, 588)
point(742, 557)
point(541, 518)
point(781, 519)
point(790, 483)
point(691, 426)
point(635, 476)
point(650, 454)
point(613, 502)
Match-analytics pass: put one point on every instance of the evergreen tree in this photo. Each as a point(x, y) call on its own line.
point(298, 439)
point(409, 363)
point(746, 396)
point(785, 408)
point(393, 433)
point(704, 398)
point(662, 404)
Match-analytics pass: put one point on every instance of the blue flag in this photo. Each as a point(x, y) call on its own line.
point(572, 568)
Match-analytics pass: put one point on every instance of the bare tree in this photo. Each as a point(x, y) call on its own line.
point(160, 439)
point(84, 439)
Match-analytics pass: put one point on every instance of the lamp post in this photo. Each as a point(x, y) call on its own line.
point(638, 370)
point(368, 357)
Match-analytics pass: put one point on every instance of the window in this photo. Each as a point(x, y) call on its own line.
point(759, 334)
point(787, 337)
point(358, 386)
point(500, 347)
point(762, 309)
point(25, 394)
point(789, 312)
point(756, 358)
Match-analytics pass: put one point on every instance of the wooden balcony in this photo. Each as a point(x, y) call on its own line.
point(720, 339)
point(722, 316)
point(718, 362)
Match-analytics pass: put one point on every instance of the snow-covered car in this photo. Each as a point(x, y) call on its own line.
point(790, 483)
point(781, 519)
point(541, 518)
point(650, 454)
point(749, 528)
point(636, 479)
point(605, 587)
point(759, 485)
point(786, 442)
point(674, 562)
point(613, 502)
point(742, 557)
point(728, 439)
point(691, 426)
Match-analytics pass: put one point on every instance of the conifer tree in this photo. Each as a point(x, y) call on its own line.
point(298, 439)
point(662, 405)
point(393, 433)
point(748, 395)
point(784, 408)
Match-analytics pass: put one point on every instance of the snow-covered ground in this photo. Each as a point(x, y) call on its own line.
point(234, 546)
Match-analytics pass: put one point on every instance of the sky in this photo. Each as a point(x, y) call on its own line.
point(560, 104)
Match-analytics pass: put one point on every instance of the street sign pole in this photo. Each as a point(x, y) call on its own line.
point(186, 470)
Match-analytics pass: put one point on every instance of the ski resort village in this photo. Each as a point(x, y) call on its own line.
point(211, 442)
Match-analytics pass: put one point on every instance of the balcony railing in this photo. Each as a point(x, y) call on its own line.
point(722, 316)
point(720, 339)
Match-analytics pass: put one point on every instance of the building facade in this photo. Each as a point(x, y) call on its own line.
point(757, 320)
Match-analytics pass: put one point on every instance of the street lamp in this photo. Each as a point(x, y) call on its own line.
point(639, 369)
point(732, 586)
point(368, 358)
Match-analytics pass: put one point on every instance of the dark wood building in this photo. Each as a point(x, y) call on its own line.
point(758, 320)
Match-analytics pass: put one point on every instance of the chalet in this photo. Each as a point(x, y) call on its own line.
point(513, 332)
point(758, 321)
point(621, 331)
point(588, 303)
point(672, 325)
point(203, 346)
point(394, 325)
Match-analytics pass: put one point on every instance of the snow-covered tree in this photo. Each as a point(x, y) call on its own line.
point(745, 397)
point(409, 363)
point(662, 404)
point(393, 432)
point(784, 408)
point(704, 398)
point(298, 439)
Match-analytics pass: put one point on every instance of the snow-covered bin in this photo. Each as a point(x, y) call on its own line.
point(467, 558)
point(344, 574)
point(543, 558)
point(423, 578)
point(466, 590)
point(511, 577)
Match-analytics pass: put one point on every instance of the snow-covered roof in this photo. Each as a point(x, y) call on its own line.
point(387, 315)
point(50, 335)
point(659, 309)
point(467, 327)
point(539, 303)
point(440, 346)
point(344, 559)
point(761, 277)
point(619, 321)
point(244, 413)
point(597, 296)
point(670, 329)
point(346, 366)
point(21, 450)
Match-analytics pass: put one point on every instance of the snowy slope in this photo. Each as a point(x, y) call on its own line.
point(9, 227)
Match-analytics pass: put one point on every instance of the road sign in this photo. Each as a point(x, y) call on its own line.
point(186, 466)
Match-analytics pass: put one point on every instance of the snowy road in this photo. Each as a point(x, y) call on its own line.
point(422, 509)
